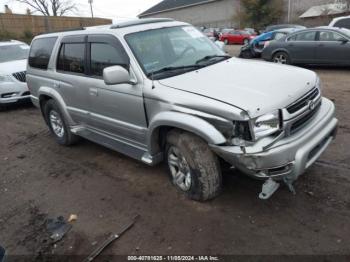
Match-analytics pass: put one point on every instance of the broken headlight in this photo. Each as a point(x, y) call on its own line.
point(266, 125)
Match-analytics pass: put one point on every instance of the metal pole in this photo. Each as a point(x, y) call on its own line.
point(92, 12)
point(289, 10)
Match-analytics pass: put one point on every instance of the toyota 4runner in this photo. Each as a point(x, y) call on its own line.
point(158, 89)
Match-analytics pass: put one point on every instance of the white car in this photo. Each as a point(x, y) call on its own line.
point(341, 22)
point(13, 63)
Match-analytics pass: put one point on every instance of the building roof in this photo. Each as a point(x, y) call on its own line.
point(167, 5)
point(321, 10)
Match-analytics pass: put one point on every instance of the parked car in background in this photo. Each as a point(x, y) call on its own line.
point(282, 26)
point(225, 31)
point(323, 45)
point(341, 22)
point(236, 37)
point(250, 31)
point(257, 45)
point(209, 32)
point(192, 105)
point(13, 63)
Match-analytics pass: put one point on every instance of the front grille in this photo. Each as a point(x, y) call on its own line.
point(297, 125)
point(20, 76)
point(303, 101)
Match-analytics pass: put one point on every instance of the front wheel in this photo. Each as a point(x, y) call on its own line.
point(194, 168)
point(281, 58)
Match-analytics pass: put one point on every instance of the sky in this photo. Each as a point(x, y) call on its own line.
point(113, 9)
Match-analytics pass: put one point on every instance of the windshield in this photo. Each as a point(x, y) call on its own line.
point(13, 52)
point(174, 47)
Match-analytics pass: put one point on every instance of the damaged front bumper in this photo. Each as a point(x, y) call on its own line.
point(290, 156)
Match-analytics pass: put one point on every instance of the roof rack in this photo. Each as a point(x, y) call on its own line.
point(141, 22)
point(64, 30)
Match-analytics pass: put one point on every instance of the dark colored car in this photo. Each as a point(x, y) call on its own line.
point(323, 45)
point(257, 45)
point(282, 26)
point(237, 37)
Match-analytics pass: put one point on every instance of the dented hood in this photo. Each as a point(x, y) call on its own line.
point(254, 86)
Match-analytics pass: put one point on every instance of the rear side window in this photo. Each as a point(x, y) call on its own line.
point(343, 23)
point(40, 52)
point(104, 55)
point(71, 58)
point(306, 36)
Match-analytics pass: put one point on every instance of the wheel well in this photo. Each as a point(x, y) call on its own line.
point(42, 101)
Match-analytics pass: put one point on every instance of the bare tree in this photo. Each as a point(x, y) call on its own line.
point(50, 7)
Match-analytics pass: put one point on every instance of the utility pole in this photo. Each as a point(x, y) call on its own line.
point(92, 12)
point(289, 10)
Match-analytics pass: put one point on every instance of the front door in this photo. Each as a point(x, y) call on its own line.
point(117, 110)
point(333, 48)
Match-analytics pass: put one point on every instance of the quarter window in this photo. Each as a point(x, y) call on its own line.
point(40, 52)
point(104, 55)
point(72, 58)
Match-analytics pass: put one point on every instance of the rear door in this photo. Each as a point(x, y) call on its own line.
point(71, 72)
point(302, 47)
point(333, 48)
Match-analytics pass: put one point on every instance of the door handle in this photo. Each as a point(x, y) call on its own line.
point(93, 92)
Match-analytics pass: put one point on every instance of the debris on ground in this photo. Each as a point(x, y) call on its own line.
point(109, 241)
point(2, 254)
point(72, 218)
point(57, 228)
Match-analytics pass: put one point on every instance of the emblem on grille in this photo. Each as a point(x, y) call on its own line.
point(312, 105)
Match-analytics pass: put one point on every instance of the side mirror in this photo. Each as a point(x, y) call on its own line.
point(345, 41)
point(115, 75)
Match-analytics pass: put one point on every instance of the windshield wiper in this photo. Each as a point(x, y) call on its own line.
point(210, 57)
point(173, 68)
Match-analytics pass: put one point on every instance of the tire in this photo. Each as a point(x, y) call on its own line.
point(247, 54)
point(226, 42)
point(281, 58)
point(58, 125)
point(203, 179)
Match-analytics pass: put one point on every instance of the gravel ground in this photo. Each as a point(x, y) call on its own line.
point(40, 179)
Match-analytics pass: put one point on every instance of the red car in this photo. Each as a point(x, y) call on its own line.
point(237, 37)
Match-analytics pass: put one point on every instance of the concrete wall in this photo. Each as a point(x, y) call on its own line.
point(215, 14)
point(18, 24)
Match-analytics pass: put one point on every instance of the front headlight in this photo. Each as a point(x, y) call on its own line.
point(5, 78)
point(266, 125)
point(319, 83)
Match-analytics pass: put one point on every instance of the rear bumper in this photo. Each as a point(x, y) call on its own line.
point(291, 156)
point(13, 92)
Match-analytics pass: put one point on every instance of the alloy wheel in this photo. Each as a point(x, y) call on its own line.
point(179, 169)
point(56, 123)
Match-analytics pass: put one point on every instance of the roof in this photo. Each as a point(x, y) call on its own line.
point(10, 42)
point(321, 10)
point(167, 5)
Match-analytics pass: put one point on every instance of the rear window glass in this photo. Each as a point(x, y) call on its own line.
point(345, 23)
point(72, 58)
point(40, 52)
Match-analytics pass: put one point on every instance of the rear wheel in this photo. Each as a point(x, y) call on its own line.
point(194, 168)
point(281, 58)
point(57, 124)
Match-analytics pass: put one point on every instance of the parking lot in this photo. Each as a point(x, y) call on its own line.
point(40, 180)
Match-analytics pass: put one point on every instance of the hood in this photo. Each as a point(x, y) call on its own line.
point(8, 68)
point(255, 87)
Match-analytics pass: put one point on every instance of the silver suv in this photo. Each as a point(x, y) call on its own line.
point(157, 89)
